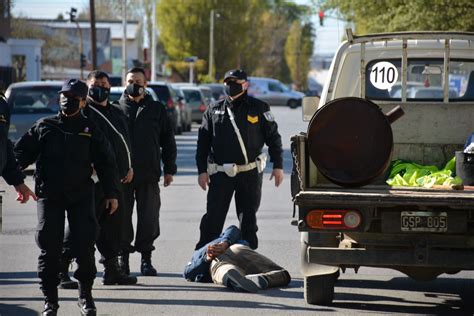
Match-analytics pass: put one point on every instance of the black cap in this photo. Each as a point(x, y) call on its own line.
point(75, 87)
point(238, 74)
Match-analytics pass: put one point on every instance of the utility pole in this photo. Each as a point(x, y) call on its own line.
point(124, 41)
point(211, 46)
point(153, 42)
point(82, 59)
point(93, 34)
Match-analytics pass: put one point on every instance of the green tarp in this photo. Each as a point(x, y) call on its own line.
point(405, 173)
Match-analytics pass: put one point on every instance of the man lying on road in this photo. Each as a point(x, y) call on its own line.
point(229, 261)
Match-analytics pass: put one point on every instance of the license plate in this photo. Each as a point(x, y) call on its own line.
point(424, 221)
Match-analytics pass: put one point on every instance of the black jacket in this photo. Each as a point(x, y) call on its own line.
point(119, 121)
point(9, 168)
point(152, 138)
point(64, 150)
point(218, 141)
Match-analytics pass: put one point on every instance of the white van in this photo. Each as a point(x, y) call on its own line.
point(273, 92)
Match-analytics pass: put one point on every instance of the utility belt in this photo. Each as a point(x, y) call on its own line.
point(232, 169)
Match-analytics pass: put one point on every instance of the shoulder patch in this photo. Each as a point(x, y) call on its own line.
point(269, 116)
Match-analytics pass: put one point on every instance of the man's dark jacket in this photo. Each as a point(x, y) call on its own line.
point(9, 168)
point(64, 149)
point(218, 141)
point(152, 138)
point(119, 121)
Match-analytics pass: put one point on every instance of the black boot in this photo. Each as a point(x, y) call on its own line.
point(65, 281)
point(114, 275)
point(146, 267)
point(123, 263)
point(50, 302)
point(86, 302)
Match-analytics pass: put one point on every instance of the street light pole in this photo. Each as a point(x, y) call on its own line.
point(124, 41)
point(153, 43)
point(81, 49)
point(211, 46)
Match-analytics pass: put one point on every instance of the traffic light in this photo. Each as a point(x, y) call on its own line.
point(321, 17)
point(72, 14)
point(83, 61)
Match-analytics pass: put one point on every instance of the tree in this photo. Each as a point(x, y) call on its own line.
point(406, 15)
point(112, 10)
point(298, 52)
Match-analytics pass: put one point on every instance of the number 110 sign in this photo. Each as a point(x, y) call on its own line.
point(383, 75)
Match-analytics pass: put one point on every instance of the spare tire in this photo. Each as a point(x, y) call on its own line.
point(350, 141)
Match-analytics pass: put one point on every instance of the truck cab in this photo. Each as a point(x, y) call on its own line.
point(422, 232)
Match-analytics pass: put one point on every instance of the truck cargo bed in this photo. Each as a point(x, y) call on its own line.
point(381, 195)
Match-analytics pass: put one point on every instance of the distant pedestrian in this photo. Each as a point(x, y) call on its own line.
point(65, 147)
point(229, 158)
point(152, 140)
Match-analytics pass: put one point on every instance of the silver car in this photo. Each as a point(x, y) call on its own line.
point(274, 92)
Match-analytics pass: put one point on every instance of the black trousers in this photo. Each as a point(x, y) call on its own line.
point(147, 196)
point(50, 233)
point(248, 192)
point(109, 227)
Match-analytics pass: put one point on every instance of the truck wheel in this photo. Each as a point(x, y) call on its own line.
point(293, 104)
point(319, 289)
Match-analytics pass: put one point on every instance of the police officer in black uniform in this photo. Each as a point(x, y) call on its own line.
point(113, 123)
point(9, 168)
point(152, 140)
point(64, 147)
point(229, 158)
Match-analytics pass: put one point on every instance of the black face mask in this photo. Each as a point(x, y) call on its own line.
point(135, 90)
point(99, 94)
point(233, 88)
point(68, 105)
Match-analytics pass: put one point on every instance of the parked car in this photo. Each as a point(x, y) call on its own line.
point(185, 110)
point(274, 92)
point(30, 101)
point(207, 92)
point(168, 97)
point(196, 101)
point(218, 90)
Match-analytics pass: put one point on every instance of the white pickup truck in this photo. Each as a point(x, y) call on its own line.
point(422, 232)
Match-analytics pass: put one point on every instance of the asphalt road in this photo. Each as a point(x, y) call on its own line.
point(371, 291)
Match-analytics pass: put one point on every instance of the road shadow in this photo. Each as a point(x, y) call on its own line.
point(18, 278)
point(14, 309)
point(456, 296)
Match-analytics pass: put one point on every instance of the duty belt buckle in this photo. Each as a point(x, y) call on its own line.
point(230, 169)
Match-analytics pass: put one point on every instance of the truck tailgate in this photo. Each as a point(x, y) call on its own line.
point(386, 196)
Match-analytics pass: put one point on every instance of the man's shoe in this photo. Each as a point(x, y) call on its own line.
point(50, 309)
point(87, 306)
point(114, 275)
point(65, 281)
point(86, 302)
point(123, 263)
point(146, 267)
point(238, 282)
point(259, 280)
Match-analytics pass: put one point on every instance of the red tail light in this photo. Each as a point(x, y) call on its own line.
point(169, 103)
point(202, 107)
point(333, 219)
